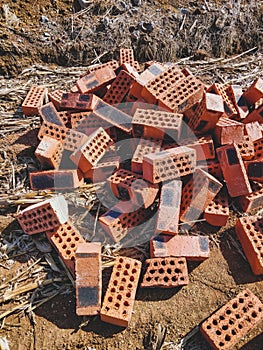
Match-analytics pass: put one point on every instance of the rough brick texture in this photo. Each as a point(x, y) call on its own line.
point(34, 100)
point(56, 179)
point(144, 147)
point(190, 247)
point(203, 146)
point(249, 231)
point(199, 191)
point(231, 163)
point(165, 273)
point(254, 92)
point(50, 115)
point(255, 116)
point(103, 169)
point(233, 321)
point(120, 295)
point(111, 64)
point(119, 88)
point(169, 164)
point(66, 118)
point(169, 207)
point(73, 140)
point(255, 170)
point(235, 94)
point(217, 211)
point(89, 154)
point(121, 219)
point(43, 216)
point(155, 124)
point(253, 130)
point(229, 106)
point(228, 131)
point(246, 148)
point(49, 153)
point(81, 102)
point(96, 80)
point(55, 97)
point(126, 56)
point(253, 200)
point(66, 239)
point(88, 280)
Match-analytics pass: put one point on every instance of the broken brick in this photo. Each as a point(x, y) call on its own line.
point(229, 106)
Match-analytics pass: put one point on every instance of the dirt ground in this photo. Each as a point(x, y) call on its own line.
point(52, 32)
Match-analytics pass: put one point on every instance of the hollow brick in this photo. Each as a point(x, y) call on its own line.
point(246, 148)
point(228, 131)
point(253, 130)
point(96, 80)
point(203, 146)
point(229, 107)
point(73, 140)
point(49, 153)
point(254, 200)
point(55, 97)
point(77, 101)
point(254, 92)
point(35, 98)
point(217, 211)
point(235, 94)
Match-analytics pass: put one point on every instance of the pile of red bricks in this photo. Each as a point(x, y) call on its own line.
point(194, 147)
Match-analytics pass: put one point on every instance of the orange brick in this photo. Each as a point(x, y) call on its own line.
point(235, 94)
point(80, 102)
point(132, 69)
point(203, 146)
point(53, 131)
point(89, 154)
point(73, 140)
point(258, 149)
point(75, 118)
point(55, 179)
point(217, 211)
point(120, 295)
point(199, 191)
point(233, 321)
point(254, 92)
point(88, 281)
point(254, 200)
point(55, 97)
point(212, 166)
point(228, 131)
point(35, 98)
point(111, 64)
point(255, 116)
point(66, 239)
point(103, 169)
point(119, 88)
point(49, 153)
point(190, 247)
point(96, 80)
point(246, 148)
point(44, 215)
point(231, 163)
point(229, 107)
point(156, 124)
point(165, 273)
point(66, 118)
point(169, 164)
point(126, 56)
point(253, 130)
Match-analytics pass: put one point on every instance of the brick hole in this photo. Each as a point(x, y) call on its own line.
point(68, 252)
point(117, 305)
point(123, 279)
point(148, 279)
point(218, 332)
point(225, 327)
point(228, 312)
point(240, 326)
point(227, 337)
point(119, 297)
point(215, 322)
point(237, 316)
point(115, 282)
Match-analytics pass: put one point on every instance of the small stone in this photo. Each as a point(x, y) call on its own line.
point(44, 19)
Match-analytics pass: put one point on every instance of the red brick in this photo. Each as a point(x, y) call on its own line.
point(66, 239)
point(53, 131)
point(165, 273)
point(81, 102)
point(119, 88)
point(96, 80)
point(126, 56)
point(132, 69)
point(229, 106)
point(169, 207)
point(89, 154)
point(35, 98)
point(204, 115)
point(199, 191)
point(183, 95)
point(66, 118)
point(254, 92)
point(144, 147)
point(190, 247)
point(254, 170)
point(131, 186)
point(246, 148)
point(228, 131)
point(141, 104)
point(120, 295)
point(44, 215)
point(212, 166)
point(74, 89)
point(235, 94)
point(74, 140)
point(254, 200)
point(50, 115)
point(103, 169)
point(203, 146)
point(49, 153)
point(255, 116)
point(56, 179)
point(88, 281)
point(258, 149)
point(253, 130)
point(76, 117)
point(110, 64)
point(169, 164)
point(233, 321)
point(156, 124)
point(121, 219)
point(55, 97)
point(217, 211)
point(234, 171)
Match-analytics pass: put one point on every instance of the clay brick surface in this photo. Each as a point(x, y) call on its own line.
point(66, 239)
point(190, 247)
point(49, 153)
point(212, 166)
point(203, 146)
point(76, 117)
point(165, 273)
point(254, 200)
point(235, 94)
point(144, 147)
point(56, 179)
point(155, 124)
point(254, 92)
point(229, 106)
point(249, 231)
point(121, 219)
point(120, 295)
point(103, 169)
point(55, 97)
point(111, 64)
point(169, 207)
point(246, 148)
point(258, 149)
point(228, 131)
point(131, 69)
point(233, 321)
point(199, 191)
point(34, 100)
point(50, 115)
point(204, 115)
point(255, 116)
point(217, 211)
point(231, 163)
point(253, 130)
point(89, 154)
point(96, 80)
point(81, 102)
point(119, 88)
point(51, 130)
point(254, 170)
point(126, 56)
point(130, 186)
point(88, 280)
point(169, 164)
point(184, 95)
point(66, 118)
point(44, 215)
point(73, 140)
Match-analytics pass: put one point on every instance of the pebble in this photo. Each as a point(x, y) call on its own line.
point(44, 19)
